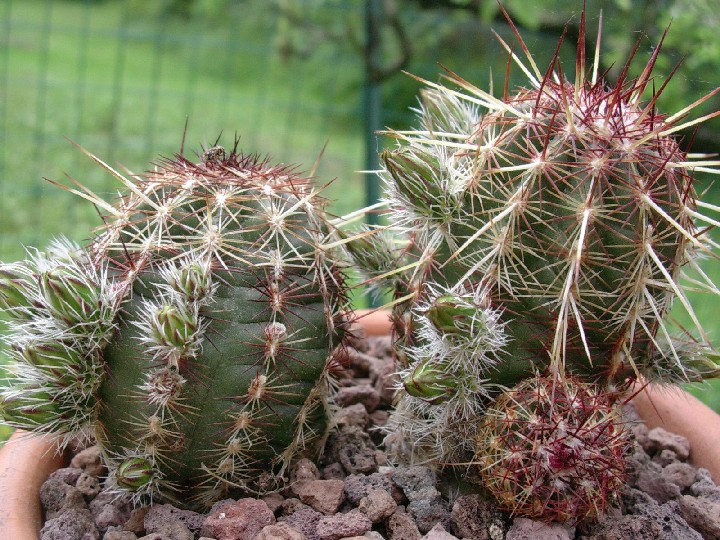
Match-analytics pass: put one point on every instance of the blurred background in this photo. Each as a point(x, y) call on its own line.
point(122, 77)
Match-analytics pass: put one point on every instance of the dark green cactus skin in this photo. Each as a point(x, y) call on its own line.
point(219, 380)
point(223, 313)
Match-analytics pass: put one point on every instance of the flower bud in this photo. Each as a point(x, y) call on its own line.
point(174, 327)
point(415, 179)
point(193, 281)
point(55, 359)
point(450, 315)
point(70, 296)
point(34, 407)
point(134, 473)
point(426, 381)
point(17, 290)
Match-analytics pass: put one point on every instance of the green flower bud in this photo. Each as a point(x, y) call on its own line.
point(17, 289)
point(451, 315)
point(134, 473)
point(415, 178)
point(193, 281)
point(70, 297)
point(34, 407)
point(174, 327)
point(49, 354)
point(426, 381)
point(371, 250)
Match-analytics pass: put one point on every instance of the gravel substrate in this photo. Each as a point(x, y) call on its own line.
point(353, 492)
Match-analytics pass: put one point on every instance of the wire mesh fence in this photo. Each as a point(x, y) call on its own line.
point(123, 86)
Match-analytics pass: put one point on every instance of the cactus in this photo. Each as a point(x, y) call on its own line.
point(193, 338)
point(552, 449)
point(546, 232)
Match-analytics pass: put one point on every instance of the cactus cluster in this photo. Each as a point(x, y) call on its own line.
point(546, 231)
point(193, 338)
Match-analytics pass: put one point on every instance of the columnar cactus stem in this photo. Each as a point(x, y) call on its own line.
point(546, 233)
point(192, 338)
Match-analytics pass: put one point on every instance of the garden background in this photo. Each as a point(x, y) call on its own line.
point(122, 78)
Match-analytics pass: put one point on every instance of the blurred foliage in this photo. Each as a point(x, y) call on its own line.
point(421, 36)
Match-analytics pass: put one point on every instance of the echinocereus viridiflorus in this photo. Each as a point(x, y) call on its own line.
point(193, 338)
point(543, 236)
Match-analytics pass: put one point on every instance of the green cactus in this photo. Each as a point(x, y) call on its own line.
point(193, 338)
point(546, 232)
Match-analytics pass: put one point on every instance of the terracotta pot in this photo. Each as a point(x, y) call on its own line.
point(25, 462)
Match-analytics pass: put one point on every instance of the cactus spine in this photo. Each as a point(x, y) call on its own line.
point(193, 338)
point(547, 230)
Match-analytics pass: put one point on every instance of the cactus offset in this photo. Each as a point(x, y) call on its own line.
point(547, 231)
point(193, 337)
point(552, 449)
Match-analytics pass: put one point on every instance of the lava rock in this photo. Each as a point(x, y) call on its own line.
point(337, 526)
point(159, 514)
point(89, 461)
point(528, 529)
point(473, 516)
point(627, 527)
point(657, 486)
point(88, 485)
point(280, 531)
point(358, 394)
point(658, 439)
point(57, 497)
point(69, 475)
point(704, 486)
point(75, 523)
point(702, 515)
point(414, 479)
point(304, 520)
point(668, 516)
point(238, 520)
point(680, 474)
point(354, 450)
point(428, 508)
point(358, 486)
point(303, 471)
point(119, 534)
point(353, 415)
point(377, 505)
point(325, 496)
point(438, 532)
point(401, 526)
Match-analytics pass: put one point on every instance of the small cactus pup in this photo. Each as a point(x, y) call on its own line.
point(553, 449)
point(193, 339)
point(547, 231)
